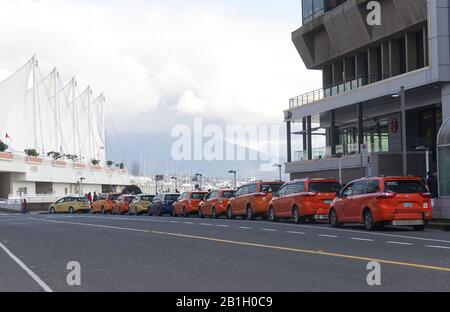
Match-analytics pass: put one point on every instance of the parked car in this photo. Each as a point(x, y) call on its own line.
point(252, 200)
point(70, 205)
point(188, 203)
point(215, 204)
point(122, 204)
point(105, 203)
point(308, 199)
point(379, 201)
point(140, 204)
point(162, 204)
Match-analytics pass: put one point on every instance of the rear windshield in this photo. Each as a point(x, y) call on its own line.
point(171, 197)
point(405, 187)
point(227, 194)
point(198, 196)
point(114, 197)
point(325, 187)
point(271, 188)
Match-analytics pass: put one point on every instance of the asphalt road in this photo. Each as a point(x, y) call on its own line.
point(163, 254)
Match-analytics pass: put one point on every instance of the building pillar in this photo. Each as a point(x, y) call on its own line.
point(309, 134)
point(289, 141)
point(327, 76)
point(359, 111)
point(411, 51)
point(361, 69)
point(385, 62)
point(374, 64)
point(333, 132)
point(394, 57)
point(425, 45)
point(305, 138)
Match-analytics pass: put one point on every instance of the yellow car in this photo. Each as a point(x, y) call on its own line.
point(70, 205)
point(140, 204)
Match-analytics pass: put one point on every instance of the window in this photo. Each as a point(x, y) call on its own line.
point(348, 190)
point(242, 191)
point(373, 187)
point(283, 191)
point(227, 194)
point(271, 188)
point(251, 189)
point(360, 188)
point(198, 196)
point(325, 187)
point(172, 197)
point(405, 187)
point(296, 188)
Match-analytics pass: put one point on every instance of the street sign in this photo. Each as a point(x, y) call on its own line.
point(159, 178)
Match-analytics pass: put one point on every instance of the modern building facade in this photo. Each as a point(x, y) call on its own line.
point(385, 93)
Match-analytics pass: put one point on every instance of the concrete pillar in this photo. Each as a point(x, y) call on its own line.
point(289, 141)
point(349, 68)
point(425, 45)
point(333, 132)
point(309, 135)
point(338, 72)
point(327, 76)
point(394, 57)
point(385, 62)
point(359, 111)
point(305, 138)
point(411, 51)
point(374, 64)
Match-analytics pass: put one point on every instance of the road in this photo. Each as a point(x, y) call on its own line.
point(164, 254)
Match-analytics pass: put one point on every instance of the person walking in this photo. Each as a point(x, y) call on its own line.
point(25, 206)
point(95, 197)
point(89, 197)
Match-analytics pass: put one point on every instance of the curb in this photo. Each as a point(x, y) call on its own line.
point(439, 226)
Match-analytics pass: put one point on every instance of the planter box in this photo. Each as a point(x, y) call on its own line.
point(6, 156)
point(96, 168)
point(123, 171)
point(59, 163)
point(34, 160)
point(80, 166)
point(110, 170)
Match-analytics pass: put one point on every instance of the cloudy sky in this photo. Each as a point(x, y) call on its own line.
point(162, 62)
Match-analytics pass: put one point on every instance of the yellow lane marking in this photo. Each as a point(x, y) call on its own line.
point(247, 244)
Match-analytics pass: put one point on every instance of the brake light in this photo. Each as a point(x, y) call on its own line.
point(387, 195)
point(426, 195)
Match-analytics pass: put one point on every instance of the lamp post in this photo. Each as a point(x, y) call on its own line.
point(234, 172)
point(279, 168)
point(427, 158)
point(402, 97)
point(81, 185)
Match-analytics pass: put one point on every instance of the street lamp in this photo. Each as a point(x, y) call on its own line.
point(81, 185)
point(234, 172)
point(402, 97)
point(279, 168)
point(425, 149)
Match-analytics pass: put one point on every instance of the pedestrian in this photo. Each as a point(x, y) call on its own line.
point(89, 197)
point(24, 206)
point(432, 183)
point(95, 197)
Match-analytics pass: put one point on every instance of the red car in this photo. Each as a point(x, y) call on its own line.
point(121, 206)
point(215, 204)
point(375, 202)
point(301, 200)
point(188, 203)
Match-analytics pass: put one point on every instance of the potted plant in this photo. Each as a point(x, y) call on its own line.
point(33, 156)
point(95, 162)
point(55, 155)
point(73, 158)
point(3, 147)
point(109, 163)
point(3, 153)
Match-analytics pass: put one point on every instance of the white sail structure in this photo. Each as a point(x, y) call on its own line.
point(40, 112)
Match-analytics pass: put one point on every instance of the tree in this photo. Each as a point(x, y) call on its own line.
point(31, 152)
point(132, 190)
point(3, 146)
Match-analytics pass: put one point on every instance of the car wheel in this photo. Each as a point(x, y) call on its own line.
point(214, 213)
point(250, 213)
point(419, 227)
point(230, 213)
point(71, 210)
point(296, 216)
point(272, 216)
point(103, 210)
point(52, 210)
point(200, 214)
point(174, 213)
point(334, 221)
point(369, 223)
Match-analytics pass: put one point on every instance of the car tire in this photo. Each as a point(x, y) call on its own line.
point(52, 210)
point(369, 223)
point(419, 228)
point(230, 215)
point(272, 216)
point(174, 213)
point(71, 210)
point(296, 216)
point(214, 213)
point(103, 210)
point(200, 214)
point(249, 213)
point(334, 220)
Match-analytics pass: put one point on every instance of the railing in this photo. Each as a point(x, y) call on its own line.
point(332, 90)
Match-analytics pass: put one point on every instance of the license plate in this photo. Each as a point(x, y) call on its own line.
point(328, 202)
point(408, 205)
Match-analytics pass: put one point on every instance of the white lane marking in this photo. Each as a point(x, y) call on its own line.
point(399, 243)
point(294, 232)
point(362, 239)
point(269, 230)
point(175, 222)
point(438, 247)
point(191, 223)
point(206, 224)
point(33, 275)
point(329, 236)
point(223, 225)
point(245, 228)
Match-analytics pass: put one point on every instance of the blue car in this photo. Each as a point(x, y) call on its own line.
point(162, 204)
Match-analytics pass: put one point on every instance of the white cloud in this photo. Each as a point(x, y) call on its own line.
point(145, 56)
